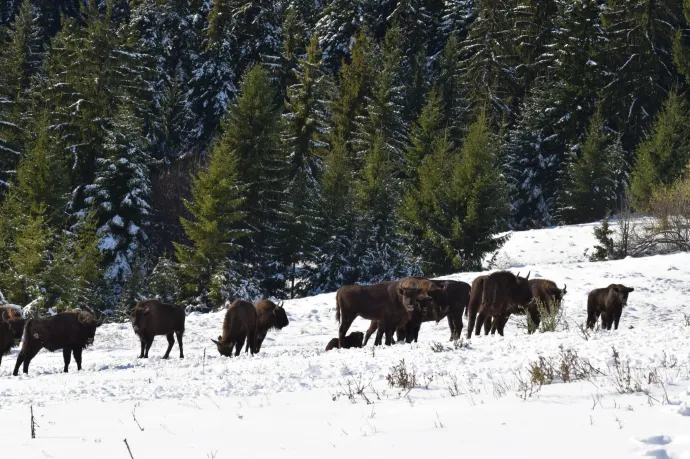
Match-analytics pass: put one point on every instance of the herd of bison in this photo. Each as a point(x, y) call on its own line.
point(395, 306)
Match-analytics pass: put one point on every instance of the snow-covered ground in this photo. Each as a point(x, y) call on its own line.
point(291, 400)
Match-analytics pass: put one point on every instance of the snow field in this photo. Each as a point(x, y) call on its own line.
point(220, 407)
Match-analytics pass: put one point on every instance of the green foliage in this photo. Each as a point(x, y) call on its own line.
point(664, 153)
point(459, 204)
point(603, 233)
point(597, 175)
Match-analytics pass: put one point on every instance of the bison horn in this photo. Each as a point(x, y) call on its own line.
point(530, 272)
point(215, 342)
point(565, 286)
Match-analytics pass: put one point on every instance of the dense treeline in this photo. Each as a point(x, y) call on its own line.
point(202, 150)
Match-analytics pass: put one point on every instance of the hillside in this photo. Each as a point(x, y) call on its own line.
point(291, 400)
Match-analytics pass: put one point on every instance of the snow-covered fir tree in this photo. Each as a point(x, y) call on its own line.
point(339, 23)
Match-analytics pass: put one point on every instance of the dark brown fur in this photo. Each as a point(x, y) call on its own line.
point(353, 340)
point(239, 325)
point(449, 301)
point(70, 331)
point(11, 329)
point(544, 290)
point(268, 316)
point(499, 293)
point(389, 303)
point(609, 303)
point(152, 318)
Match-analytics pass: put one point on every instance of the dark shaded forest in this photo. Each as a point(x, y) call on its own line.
point(204, 150)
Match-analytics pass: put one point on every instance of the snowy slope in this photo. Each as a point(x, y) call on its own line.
point(291, 400)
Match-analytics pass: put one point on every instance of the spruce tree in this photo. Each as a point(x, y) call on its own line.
point(216, 225)
point(304, 138)
point(20, 60)
point(597, 176)
point(460, 203)
point(340, 21)
point(454, 94)
point(120, 195)
point(665, 153)
point(338, 261)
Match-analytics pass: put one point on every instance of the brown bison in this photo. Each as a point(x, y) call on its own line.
point(269, 316)
point(544, 291)
point(449, 301)
point(609, 303)
point(152, 318)
point(240, 324)
point(387, 302)
point(496, 295)
point(70, 331)
point(11, 329)
point(353, 340)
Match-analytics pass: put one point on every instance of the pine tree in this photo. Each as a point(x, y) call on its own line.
point(252, 133)
point(454, 94)
point(456, 17)
point(640, 49)
point(338, 261)
point(20, 60)
point(488, 62)
point(304, 133)
point(425, 132)
point(534, 30)
point(598, 175)
point(340, 21)
point(664, 154)
point(215, 227)
point(459, 204)
point(120, 195)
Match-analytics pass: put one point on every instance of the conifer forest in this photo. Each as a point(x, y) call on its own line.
point(200, 151)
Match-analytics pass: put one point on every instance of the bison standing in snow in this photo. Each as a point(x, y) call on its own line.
point(269, 316)
point(353, 340)
point(152, 318)
point(70, 331)
point(495, 296)
point(11, 329)
point(239, 325)
point(609, 303)
point(388, 303)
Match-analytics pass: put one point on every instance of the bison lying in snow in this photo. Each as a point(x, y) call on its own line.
point(495, 296)
point(354, 339)
point(239, 325)
point(609, 303)
point(70, 331)
point(389, 303)
point(11, 329)
point(152, 318)
point(544, 291)
point(268, 316)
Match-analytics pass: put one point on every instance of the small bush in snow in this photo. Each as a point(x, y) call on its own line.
point(438, 347)
point(402, 377)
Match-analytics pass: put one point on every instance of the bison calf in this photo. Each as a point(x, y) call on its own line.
point(607, 302)
point(70, 331)
point(11, 329)
point(269, 316)
point(239, 325)
point(353, 340)
point(152, 318)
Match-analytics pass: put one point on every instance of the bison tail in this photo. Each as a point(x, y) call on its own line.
point(337, 307)
point(25, 336)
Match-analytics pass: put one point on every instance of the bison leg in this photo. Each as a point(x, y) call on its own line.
point(239, 345)
point(379, 336)
point(149, 343)
point(143, 348)
point(487, 325)
point(616, 319)
point(389, 335)
point(179, 343)
point(345, 323)
point(67, 355)
point(592, 318)
point(501, 324)
point(471, 319)
point(171, 342)
point(536, 319)
point(251, 341)
point(26, 360)
point(77, 358)
point(481, 317)
point(373, 326)
point(260, 336)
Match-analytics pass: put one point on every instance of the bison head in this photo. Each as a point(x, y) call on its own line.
point(621, 291)
point(89, 324)
point(15, 323)
point(357, 339)
point(137, 317)
point(417, 293)
point(281, 320)
point(223, 349)
point(522, 293)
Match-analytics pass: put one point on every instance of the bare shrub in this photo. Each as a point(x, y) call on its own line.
point(622, 376)
point(551, 320)
point(566, 367)
point(687, 319)
point(401, 377)
point(438, 347)
point(525, 387)
point(453, 386)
